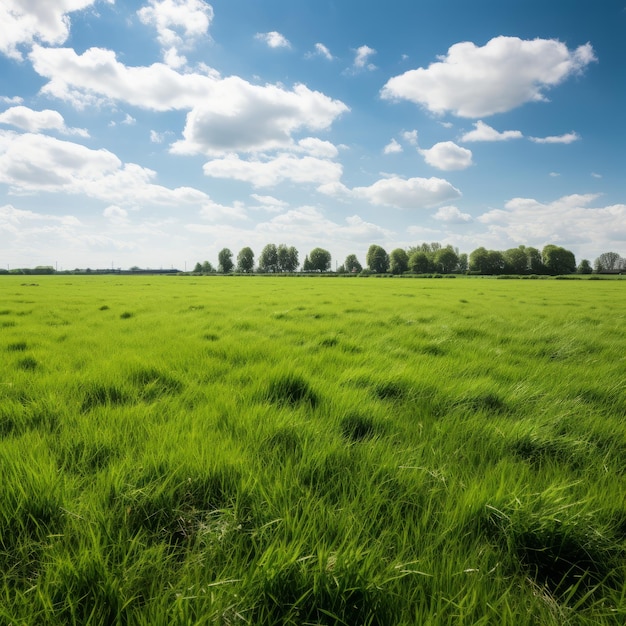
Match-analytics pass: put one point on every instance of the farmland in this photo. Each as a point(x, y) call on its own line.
point(266, 450)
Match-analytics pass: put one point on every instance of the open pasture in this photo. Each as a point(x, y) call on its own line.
point(254, 450)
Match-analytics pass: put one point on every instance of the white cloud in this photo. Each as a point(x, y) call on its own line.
point(34, 121)
point(410, 136)
point(269, 203)
point(478, 81)
point(241, 117)
point(31, 163)
point(596, 175)
point(268, 173)
point(393, 147)
point(12, 100)
point(569, 221)
point(554, 174)
point(179, 24)
point(567, 138)
point(116, 215)
point(484, 132)
point(216, 212)
point(318, 148)
point(447, 156)
point(24, 22)
point(11, 219)
point(225, 115)
point(452, 215)
point(273, 39)
point(361, 58)
point(401, 193)
point(321, 51)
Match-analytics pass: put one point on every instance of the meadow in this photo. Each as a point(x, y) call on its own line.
point(355, 451)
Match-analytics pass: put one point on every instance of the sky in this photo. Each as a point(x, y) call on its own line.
point(155, 133)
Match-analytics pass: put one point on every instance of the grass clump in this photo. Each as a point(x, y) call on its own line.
point(291, 389)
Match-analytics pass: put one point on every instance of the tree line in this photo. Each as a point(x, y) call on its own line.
point(426, 258)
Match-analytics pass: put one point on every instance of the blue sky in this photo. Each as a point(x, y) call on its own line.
point(157, 132)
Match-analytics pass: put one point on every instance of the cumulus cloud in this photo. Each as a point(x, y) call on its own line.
point(568, 221)
point(271, 172)
point(362, 58)
point(269, 203)
point(484, 132)
point(318, 147)
point(393, 147)
point(241, 117)
point(273, 39)
point(23, 23)
point(401, 193)
point(116, 215)
point(567, 138)
point(226, 114)
point(447, 156)
point(478, 81)
point(452, 215)
point(31, 163)
point(179, 24)
point(34, 121)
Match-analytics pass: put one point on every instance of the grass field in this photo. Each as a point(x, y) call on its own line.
point(189, 450)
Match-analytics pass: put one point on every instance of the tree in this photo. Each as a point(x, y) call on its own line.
point(207, 268)
point(584, 267)
point(479, 261)
point(268, 261)
point(377, 259)
point(446, 260)
point(287, 258)
point(607, 262)
point(245, 260)
point(535, 262)
point(516, 261)
point(352, 265)
point(198, 268)
point(225, 261)
point(398, 261)
point(487, 261)
point(463, 262)
point(419, 263)
point(558, 260)
point(306, 266)
point(319, 260)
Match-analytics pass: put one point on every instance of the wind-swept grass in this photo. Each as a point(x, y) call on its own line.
point(312, 451)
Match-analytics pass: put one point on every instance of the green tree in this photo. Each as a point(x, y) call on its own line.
point(198, 268)
point(398, 261)
point(535, 262)
point(268, 261)
point(287, 258)
point(306, 266)
point(419, 263)
point(479, 260)
point(225, 261)
point(584, 267)
point(446, 259)
point(463, 262)
point(319, 260)
point(245, 260)
point(558, 260)
point(207, 268)
point(352, 265)
point(377, 259)
point(516, 261)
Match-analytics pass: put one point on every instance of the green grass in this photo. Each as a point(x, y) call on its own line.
point(350, 451)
